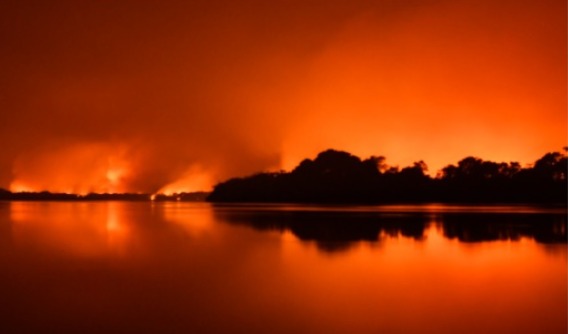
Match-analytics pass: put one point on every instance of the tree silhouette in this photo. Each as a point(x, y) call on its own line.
point(340, 177)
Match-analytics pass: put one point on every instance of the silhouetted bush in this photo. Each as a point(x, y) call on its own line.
point(339, 177)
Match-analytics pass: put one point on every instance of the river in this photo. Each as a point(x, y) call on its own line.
point(171, 267)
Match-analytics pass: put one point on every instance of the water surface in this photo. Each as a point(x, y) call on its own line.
point(194, 267)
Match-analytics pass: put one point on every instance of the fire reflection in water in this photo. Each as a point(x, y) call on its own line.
point(117, 230)
point(76, 229)
point(124, 267)
point(196, 220)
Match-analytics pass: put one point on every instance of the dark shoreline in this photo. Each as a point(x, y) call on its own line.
point(44, 196)
point(202, 197)
point(132, 197)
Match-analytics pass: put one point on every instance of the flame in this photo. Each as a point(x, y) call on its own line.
point(194, 179)
point(79, 168)
point(17, 186)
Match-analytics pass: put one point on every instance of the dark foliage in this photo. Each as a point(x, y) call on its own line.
point(339, 177)
point(48, 196)
point(36, 196)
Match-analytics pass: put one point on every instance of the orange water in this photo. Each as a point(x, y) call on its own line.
point(109, 267)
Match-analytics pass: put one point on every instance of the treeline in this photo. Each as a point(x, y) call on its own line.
point(340, 177)
point(49, 196)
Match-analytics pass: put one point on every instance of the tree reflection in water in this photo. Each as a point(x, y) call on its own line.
point(543, 228)
point(338, 230)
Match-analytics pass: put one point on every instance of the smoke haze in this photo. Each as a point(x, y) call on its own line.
point(146, 96)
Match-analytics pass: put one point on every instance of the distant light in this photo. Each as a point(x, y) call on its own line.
point(17, 187)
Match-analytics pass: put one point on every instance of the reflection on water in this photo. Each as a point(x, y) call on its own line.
point(330, 230)
point(337, 229)
point(192, 267)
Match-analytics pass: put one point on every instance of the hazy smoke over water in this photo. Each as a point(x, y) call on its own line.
point(141, 96)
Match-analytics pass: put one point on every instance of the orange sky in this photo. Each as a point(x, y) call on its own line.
point(177, 95)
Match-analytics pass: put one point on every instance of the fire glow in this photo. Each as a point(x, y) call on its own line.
point(233, 89)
